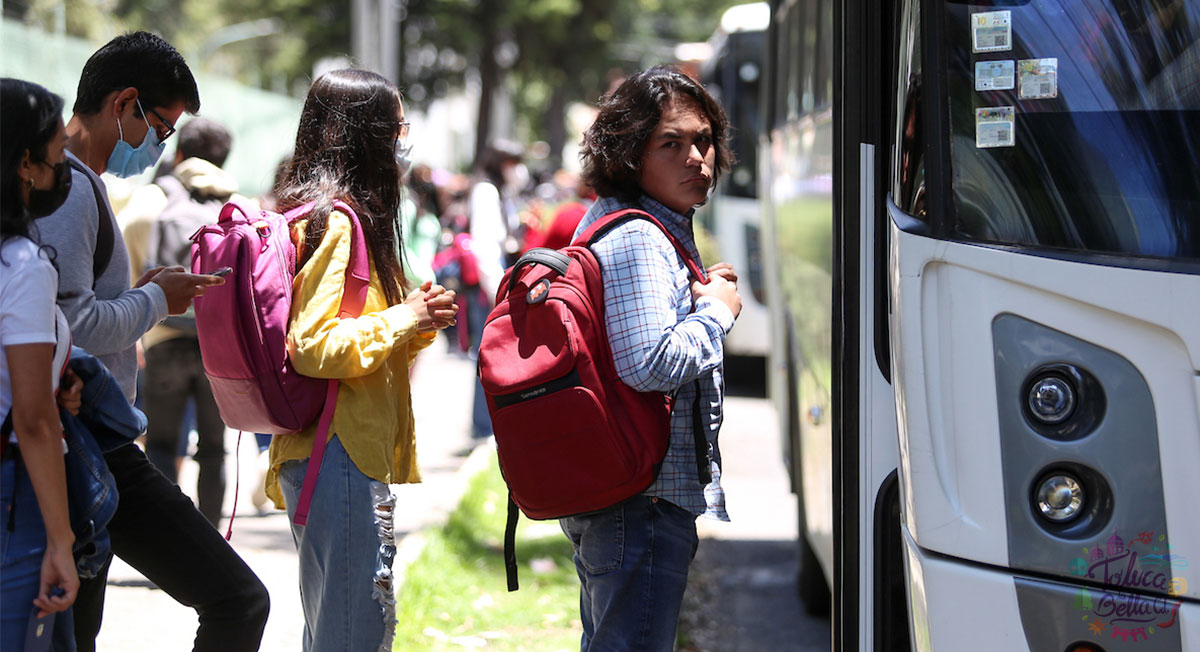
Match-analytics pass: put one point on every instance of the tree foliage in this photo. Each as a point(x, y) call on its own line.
point(547, 53)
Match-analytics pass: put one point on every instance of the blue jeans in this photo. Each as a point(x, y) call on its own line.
point(478, 309)
point(632, 560)
point(346, 552)
point(21, 551)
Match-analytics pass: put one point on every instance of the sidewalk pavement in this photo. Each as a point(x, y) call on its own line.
point(139, 616)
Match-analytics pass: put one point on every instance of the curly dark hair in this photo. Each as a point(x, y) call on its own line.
point(612, 147)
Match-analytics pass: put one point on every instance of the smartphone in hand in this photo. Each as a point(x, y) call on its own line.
point(224, 271)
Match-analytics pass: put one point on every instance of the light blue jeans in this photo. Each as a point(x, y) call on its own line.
point(632, 560)
point(346, 552)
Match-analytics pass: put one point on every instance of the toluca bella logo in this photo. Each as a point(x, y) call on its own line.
point(1141, 589)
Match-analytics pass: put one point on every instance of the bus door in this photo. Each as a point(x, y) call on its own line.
point(869, 607)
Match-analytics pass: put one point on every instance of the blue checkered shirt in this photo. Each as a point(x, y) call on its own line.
point(661, 345)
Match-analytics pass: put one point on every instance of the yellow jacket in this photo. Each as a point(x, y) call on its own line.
point(370, 355)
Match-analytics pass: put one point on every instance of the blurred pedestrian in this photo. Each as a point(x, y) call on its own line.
point(133, 90)
point(420, 230)
point(494, 221)
point(351, 128)
point(658, 144)
point(560, 230)
point(194, 193)
point(34, 344)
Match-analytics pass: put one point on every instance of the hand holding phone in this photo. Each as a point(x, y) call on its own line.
point(40, 630)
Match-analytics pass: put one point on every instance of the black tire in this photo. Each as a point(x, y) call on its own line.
point(810, 582)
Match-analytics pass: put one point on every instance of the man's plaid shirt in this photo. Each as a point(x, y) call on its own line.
point(660, 344)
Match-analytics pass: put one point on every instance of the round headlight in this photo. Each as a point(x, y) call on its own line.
point(1051, 399)
point(1060, 498)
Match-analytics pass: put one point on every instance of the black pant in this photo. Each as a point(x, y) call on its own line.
point(159, 532)
point(174, 372)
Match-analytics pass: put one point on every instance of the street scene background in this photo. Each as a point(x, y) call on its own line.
point(742, 595)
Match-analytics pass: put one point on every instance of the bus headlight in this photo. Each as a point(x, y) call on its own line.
point(1051, 399)
point(1062, 401)
point(1060, 498)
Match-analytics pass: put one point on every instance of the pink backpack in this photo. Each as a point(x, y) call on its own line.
point(242, 326)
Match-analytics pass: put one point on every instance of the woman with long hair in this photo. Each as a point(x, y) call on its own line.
point(352, 130)
point(38, 573)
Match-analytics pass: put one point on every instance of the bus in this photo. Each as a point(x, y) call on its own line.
point(732, 72)
point(984, 221)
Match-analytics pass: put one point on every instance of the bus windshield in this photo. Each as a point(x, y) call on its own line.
point(1075, 124)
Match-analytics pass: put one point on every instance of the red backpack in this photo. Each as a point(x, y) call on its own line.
point(571, 436)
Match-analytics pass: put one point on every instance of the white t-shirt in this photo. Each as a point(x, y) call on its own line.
point(28, 312)
point(487, 235)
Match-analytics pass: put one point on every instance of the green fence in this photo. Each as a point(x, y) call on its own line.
point(263, 123)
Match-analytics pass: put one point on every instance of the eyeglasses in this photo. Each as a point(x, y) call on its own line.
point(170, 127)
point(403, 134)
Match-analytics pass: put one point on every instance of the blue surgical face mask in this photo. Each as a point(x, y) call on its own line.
point(403, 156)
point(125, 161)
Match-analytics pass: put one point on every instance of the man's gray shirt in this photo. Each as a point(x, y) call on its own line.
point(107, 317)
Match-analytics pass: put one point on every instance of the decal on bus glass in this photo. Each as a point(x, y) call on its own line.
point(994, 127)
point(991, 31)
point(1038, 78)
point(995, 75)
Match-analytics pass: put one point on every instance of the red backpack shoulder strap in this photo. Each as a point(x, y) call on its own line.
point(597, 229)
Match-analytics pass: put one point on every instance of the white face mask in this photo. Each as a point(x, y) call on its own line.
point(516, 178)
point(403, 156)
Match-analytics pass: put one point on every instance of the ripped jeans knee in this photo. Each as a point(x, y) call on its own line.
point(383, 589)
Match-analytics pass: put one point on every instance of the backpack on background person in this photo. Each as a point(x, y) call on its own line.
point(571, 436)
point(242, 325)
point(457, 269)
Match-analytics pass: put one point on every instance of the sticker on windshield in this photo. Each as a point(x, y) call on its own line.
point(991, 31)
point(1038, 78)
point(994, 75)
point(994, 127)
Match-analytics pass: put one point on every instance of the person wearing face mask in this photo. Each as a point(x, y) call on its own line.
point(34, 343)
point(494, 227)
point(343, 169)
point(131, 93)
point(419, 228)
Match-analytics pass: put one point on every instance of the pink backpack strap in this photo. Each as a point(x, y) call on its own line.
point(235, 205)
point(597, 229)
point(354, 297)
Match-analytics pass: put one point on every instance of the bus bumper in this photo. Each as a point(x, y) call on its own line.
point(958, 605)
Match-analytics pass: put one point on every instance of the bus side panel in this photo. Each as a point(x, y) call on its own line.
point(946, 297)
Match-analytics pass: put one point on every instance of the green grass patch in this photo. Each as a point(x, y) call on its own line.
point(455, 595)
